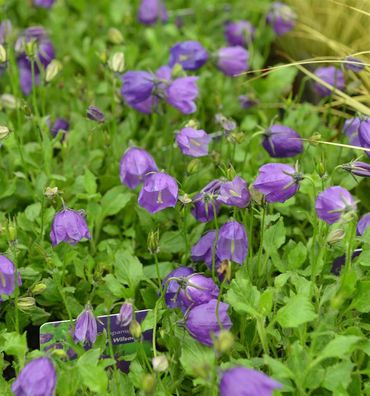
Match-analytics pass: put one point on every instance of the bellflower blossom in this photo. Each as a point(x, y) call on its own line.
point(191, 55)
point(357, 168)
point(364, 134)
point(281, 141)
point(202, 250)
point(332, 76)
point(233, 60)
point(232, 243)
point(356, 66)
point(351, 129)
point(7, 276)
point(239, 33)
point(235, 193)
point(281, 18)
point(43, 3)
point(193, 142)
point(173, 287)
point(86, 327)
point(151, 11)
point(206, 203)
point(363, 224)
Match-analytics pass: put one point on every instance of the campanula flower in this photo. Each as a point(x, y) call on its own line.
point(125, 314)
point(197, 289)
point(191, 55)
point(332, 76)
point(202, 250)
point(351, 129)
point(242, 381)
point(182, 93)
point(354, 64)
point(363, 223)
point(69, 226)
point(159, 191)
point(281, 141)
point(281, 18)
point(235, 193)
point(86, 326)
point(232, 243)
point(277, 182)
point(173, 286)
point(239, 33)
point(233, 60)
point(333, 203)
point(151, 11)
point(193, 142)
point(247, 102)
point(7, 276)
point(43, 3)
point(37, 378)
point(206, 203)
point(60, 124)
point(202, 321)
point(364, 134)
point(357, 168)
point(95, 114)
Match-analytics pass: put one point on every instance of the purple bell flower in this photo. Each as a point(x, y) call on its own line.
point(281, 18)
point(232, 243)
point(151, 11)
point(239, 33)
point(60, 124)
point(135, 165)
point(202, 322)
point(333, 203)
point(242, 381)
point(69, 226)
point(363, 223)
point(246, 102)
point(332, 76)
point(235, 193)
point(5, 30)
point(202, 250)
point(350, 128)
point(359, 66)
point(86, 327)
point(281, 141)
point(193, 142)
point(191, 55)
point(160, 191)
point(364, 134)
point(182, 93)
point(173, 287)
point(233, 60)
point(277, 182)
point(125, 315)
point(206, 203)
point(358, 168)
point(43, 3)
point(197, 289)
point(7, 276)
point(37, 378)
point(95, 114)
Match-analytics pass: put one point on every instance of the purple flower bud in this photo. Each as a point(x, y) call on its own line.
point(235, 193)
point(202, 321)
point(241, 381)
point(358, 168)
point(355, 67)
point(278, 182)
point(350, 128)
point(239, 33)
point(233, 60)
point(181, 94)
point(281, 18)
point(5, 30)
point(193, 142)
point(364, 134)
point(281, 141)
point(333, 203)
point(191, 55)
point(95, 114)
point(173, 287)
point(135, 165)
point(247, 102)
point(68, 226)
point(60, 124)
point(151, 11)
point(227, 124)
point(37, 378)
point(86, 327)
point(125, 315)
point(206, 203)
point(160, 191)
point(43, 3)
point(362, 224)
point(332, 76)
point(7, 276)
point(202, 250)
point(197, 289)
point(232, 243)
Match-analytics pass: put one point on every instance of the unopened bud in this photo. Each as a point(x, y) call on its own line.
point(256, 195)
point(11, 231)
point(135, 329)
point(3, 55)
point(53, 68)
point(9, 101)
point(230, 173)
point(103, 57)
point(160, 363)
point(320, 168)
point(153, 242)
point(60, 353)
point(51, 192)
point(193, 166)
point(4, 132)
point(148, 384)
point(115, 36)
point(30, 48)
point(335, 236)
point(39, 288)
point(224, 341)
point(95, 114)
point(185, 199)
point(192, 124)
point(177, 71)
point(117, 62)
point(26, 303)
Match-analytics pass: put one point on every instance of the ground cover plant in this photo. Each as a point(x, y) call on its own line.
point(183, 198)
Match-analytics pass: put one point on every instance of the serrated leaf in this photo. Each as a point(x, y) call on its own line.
point(114, 201)
point(128, 270)
point(339, 347)
point(90, 182)
point(274, 236)
point(298, 310)
point(361, 301)
point(92, 374)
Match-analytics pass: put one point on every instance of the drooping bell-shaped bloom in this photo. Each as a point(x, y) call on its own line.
point(363, 223)
point(197, 289)
point(332, 76)
point(364, 134)
point(277, 182)
point(95, 114)
point(354, 64)
point(135, 165)
point(242, 381)
point(191, 55)
point(69, 226)
point(232, 243)
point(37, 378)
point(159, 191)
point(5, 30)
point(7, 276)
point(182, 93)
point(193, 142)
point(151, 11)
point(206, 203)
point(202, 250)
point(239, 33)
point(227, 124)
point(202, 321)
point(358, 168)
point(281, 141)
point(281, 18)
point(86, 329)
point(247, 102)
point(125, 314)
point(232, 60)
point(235, 193)
point(351, 129)
point(172, 287)
point(333, 203)
point(43, 3)
point(60, 124)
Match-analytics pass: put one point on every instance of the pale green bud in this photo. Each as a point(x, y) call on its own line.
point(135, 329)
point(51, 192)
point(9, 101)
point(153, 242)
point(224, 341)
point(160, 363)
point(4, 132)
point(26, 303)
point(3, 54)
point(148, 384)
point(39, 288)
point(115, 36)
point(53, 68)
point(117, 62)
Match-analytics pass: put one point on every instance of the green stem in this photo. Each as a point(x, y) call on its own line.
point(214, 243)
point(262, 334)
point(262, 231)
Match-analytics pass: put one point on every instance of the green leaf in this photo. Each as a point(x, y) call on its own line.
point(361, 301)
point(90, 182)
point(339, 347)
point(296, 254)
point(114, 201)
point(279, 369)
point(114, 286)
point(297, 311)
point(92, 374)
point(33, 211)
point(274, 236)
point(338, 377)
point(14, 344)
point(128, 270)
point(172, 242)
